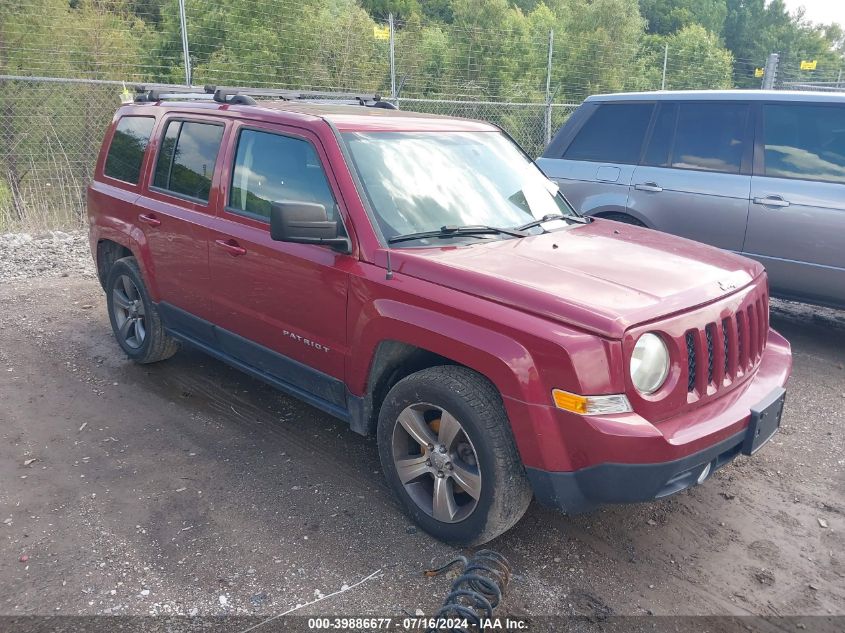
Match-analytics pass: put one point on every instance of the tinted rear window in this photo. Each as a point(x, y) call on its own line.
point(126, 152)
point(613, 134)
point(710, 136)
point(186, 160)
point(805, 141)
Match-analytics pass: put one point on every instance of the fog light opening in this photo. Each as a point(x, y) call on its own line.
point(705, 473)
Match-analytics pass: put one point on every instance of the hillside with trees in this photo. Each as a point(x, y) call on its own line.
point(459, 57)
point(478, 48)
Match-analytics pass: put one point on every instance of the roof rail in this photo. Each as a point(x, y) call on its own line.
point(150, 93)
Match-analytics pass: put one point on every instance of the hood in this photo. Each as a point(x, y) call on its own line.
point(603, 277)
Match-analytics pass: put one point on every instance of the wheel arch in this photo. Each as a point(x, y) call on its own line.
point(615, 215)
point(110, 244)
point(406, 339)
point(108, 252)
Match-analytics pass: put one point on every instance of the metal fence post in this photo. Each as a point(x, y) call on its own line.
point(392, 59)
point(548, 118)
point(183, 26)
point(665, 62)
point(770, 72)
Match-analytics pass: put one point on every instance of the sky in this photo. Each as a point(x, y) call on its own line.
point(820, 10)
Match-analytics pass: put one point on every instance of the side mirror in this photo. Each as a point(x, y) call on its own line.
point(305, 223)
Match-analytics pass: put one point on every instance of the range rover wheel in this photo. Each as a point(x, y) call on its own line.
point(134, 318)
point(447, 451)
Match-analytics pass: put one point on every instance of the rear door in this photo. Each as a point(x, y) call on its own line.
point(595, 167)
point(280, 307)
point(694, 180)
point(175, 212)
point(796, 223)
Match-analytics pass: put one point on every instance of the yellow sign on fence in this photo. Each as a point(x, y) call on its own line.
point(381, 32)
point(758, 72)
point(805, 65)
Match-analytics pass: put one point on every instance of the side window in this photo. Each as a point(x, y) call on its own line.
point(126, 152)
point(710, 137)
point(658, 152)
point(613, 134)
point(187, 156)
point(271, 168)
point(804, 141)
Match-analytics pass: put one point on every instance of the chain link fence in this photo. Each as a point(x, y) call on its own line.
point(50, 133)
point(63, 64)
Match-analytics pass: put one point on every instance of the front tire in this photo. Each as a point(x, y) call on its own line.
point(447, 451)
point(134, 317)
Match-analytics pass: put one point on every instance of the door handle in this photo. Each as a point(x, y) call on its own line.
point(772, 201)
point(231, 247)
point(149, 218)
point(648, 186)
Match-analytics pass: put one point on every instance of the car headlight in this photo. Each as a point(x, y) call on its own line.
point(649, 363)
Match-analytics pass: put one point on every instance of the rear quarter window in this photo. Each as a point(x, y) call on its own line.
point(128, 144)
point(613, 134)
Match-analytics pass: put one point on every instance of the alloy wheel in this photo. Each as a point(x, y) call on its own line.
point(436, 462)
point(129, 312)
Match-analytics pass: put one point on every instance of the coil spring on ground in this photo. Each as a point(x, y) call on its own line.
point(476, 592)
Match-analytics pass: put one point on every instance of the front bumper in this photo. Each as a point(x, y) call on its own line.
point(584, 490)
point(638, 461)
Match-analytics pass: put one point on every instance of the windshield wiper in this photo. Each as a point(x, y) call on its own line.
point(453, 231)
point(552, 216)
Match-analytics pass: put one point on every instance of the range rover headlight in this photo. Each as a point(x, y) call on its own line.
point(649, 363)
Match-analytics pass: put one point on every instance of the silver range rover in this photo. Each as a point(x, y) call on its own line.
point(760, 173)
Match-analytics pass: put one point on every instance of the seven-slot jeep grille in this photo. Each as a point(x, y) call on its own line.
point(719, 352)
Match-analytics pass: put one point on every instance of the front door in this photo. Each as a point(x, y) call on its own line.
point(694, 178)
point(280, 307)
point(796, 224)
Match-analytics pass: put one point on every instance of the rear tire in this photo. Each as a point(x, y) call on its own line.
point(135, 320)
point(446, 431)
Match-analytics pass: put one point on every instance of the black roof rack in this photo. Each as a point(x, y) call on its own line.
point(152, 93)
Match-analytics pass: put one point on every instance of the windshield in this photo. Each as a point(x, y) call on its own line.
point(422, 181)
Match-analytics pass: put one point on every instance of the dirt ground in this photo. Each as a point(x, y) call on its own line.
point(188, 488)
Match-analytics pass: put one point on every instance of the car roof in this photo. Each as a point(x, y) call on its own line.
point(722, 95)
point(344, 117)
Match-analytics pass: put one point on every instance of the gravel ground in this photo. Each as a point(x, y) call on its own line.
point(51, 254)
point(186, 487)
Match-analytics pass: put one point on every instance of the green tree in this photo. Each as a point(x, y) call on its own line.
point(668, 16)
point(381, 9)
point(697, 60)
point(753, 29)
point(596, 47)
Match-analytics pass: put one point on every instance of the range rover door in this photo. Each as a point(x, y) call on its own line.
point(796, 222)
point(694, 179)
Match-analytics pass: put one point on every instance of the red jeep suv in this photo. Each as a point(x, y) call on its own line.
point(419, 278)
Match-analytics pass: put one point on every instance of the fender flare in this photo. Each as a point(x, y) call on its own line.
point(133, 239)
point(456, 339)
